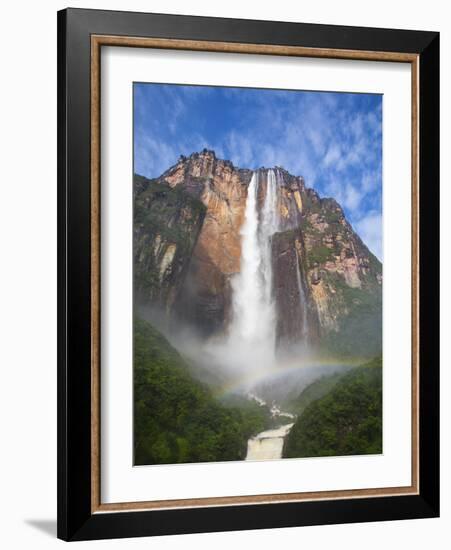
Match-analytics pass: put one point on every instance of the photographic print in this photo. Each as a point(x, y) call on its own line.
point(225, 301)
point(257, 268)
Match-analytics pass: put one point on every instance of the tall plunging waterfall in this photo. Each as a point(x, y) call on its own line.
point(253, 322)
point(302, 302)
point(268, 226)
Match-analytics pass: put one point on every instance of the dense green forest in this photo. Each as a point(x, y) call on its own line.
point(176, 418)
point(339, 415)
point(360, 333)
point(317, 389)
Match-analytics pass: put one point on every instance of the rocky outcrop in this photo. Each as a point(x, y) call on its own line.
point(205, 295)
point(327, 284)
point(297, 320)
point(167, 223)
point(344, 277)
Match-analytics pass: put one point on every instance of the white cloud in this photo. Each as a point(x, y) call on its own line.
point(333, 155)
point(240, 149)
point(371, 180)
point(347, 194)
point(153, 156)
point(352, 197)
point(369, 228)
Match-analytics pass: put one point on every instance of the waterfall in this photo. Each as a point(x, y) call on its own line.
point(268, 226)
point(252, 332)
point(302, 301)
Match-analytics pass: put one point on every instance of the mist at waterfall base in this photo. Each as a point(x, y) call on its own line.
point(246, 358)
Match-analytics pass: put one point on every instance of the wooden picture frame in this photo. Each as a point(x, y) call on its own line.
point(81, 35)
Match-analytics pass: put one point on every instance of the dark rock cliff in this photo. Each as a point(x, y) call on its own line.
point(167, 223)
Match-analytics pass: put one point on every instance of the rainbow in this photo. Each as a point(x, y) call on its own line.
point(252, 378)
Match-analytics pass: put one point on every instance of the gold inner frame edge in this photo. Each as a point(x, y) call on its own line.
point(97, 41)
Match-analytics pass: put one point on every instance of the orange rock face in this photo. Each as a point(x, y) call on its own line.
point(205, 296)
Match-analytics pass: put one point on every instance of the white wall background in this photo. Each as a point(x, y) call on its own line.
point(28, 273)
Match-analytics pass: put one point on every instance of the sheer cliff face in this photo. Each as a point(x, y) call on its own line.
point(205, 297)
point(167, 224)
point(187, 247)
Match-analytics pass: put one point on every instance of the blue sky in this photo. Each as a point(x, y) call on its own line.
point(333, 140)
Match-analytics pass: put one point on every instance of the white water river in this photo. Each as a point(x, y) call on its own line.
point(267, 445)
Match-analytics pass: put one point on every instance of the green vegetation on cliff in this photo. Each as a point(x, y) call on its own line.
point(167, 222)
point(359, 320)
point(348, 299)
point(319, 255)
point(317, 389)
point(176, 418)
point(345, 420)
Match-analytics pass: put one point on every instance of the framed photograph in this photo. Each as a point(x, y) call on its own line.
point(248, 274)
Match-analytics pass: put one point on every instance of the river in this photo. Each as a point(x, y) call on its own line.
point(267, 445)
